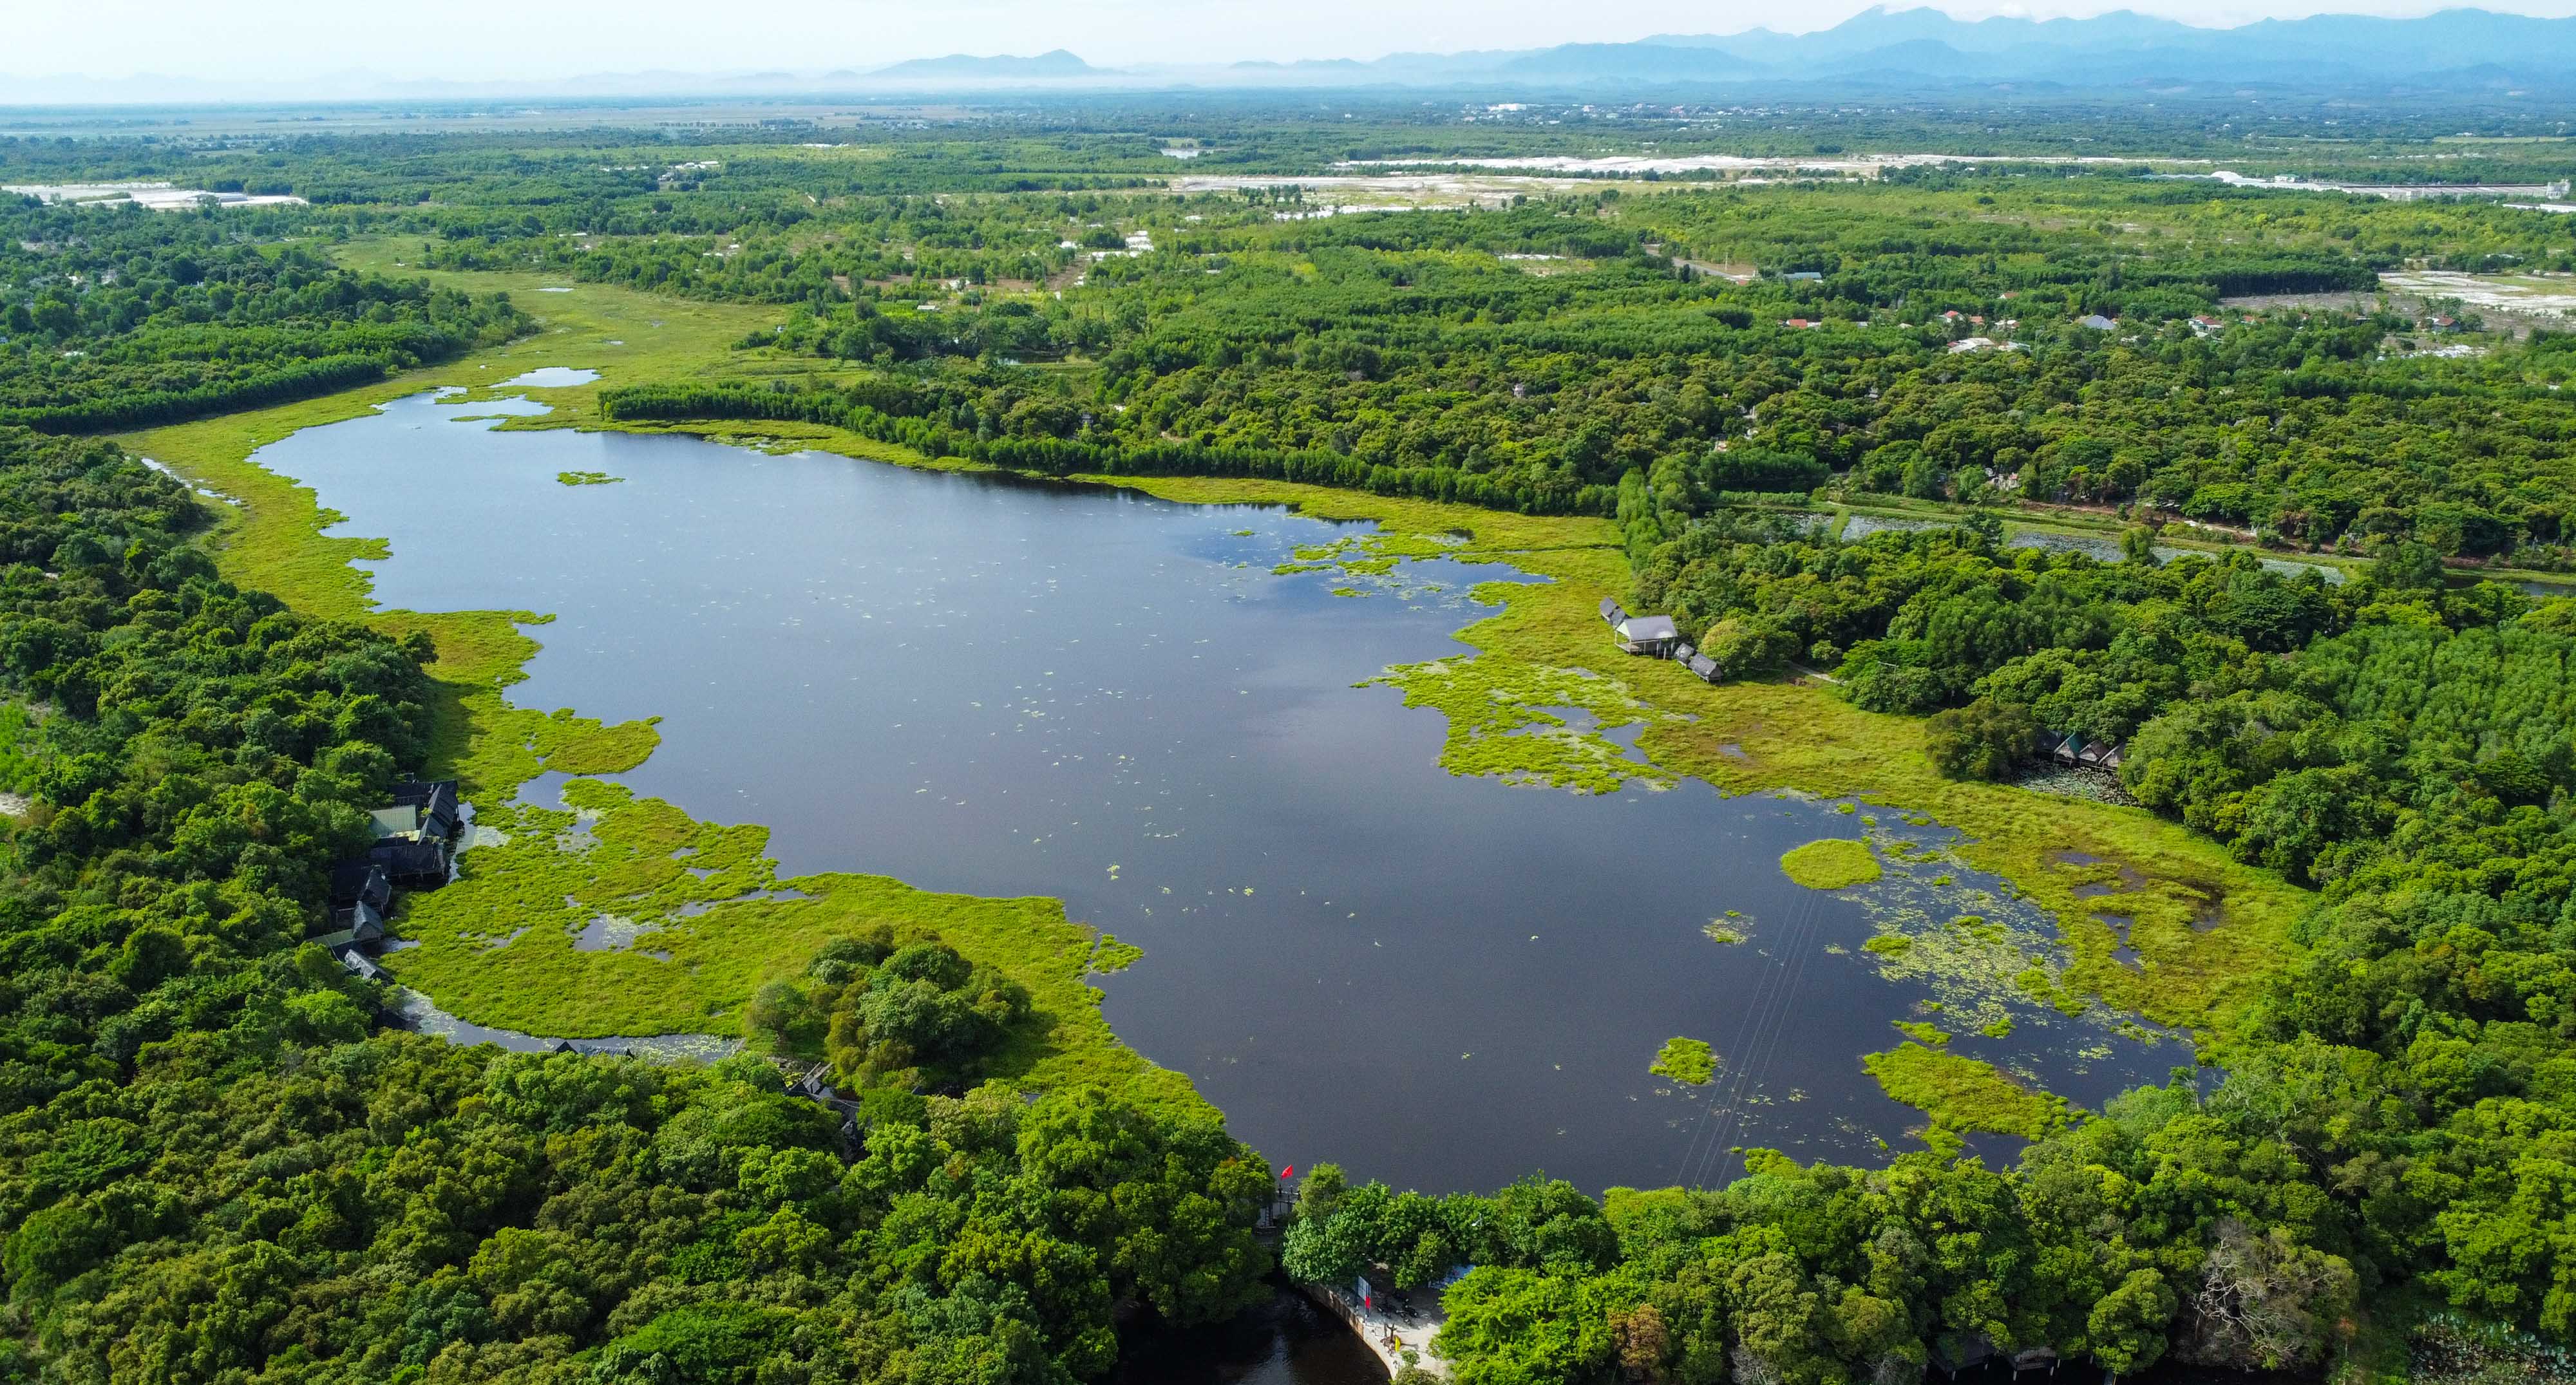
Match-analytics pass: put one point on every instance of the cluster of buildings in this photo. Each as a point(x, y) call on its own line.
point(1656, 637)
point(2074, 751)
point(414, 847)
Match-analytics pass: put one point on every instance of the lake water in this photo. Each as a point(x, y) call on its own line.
point(1005, 688)
point(1285, 1340)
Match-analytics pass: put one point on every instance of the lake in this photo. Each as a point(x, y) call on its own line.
point(1006, 688)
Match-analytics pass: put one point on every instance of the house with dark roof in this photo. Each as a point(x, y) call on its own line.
point(440, 811)
point(1612, 611)
point(359, 880)
point(410, 862)
point(2097, 322)
point(1706, 668)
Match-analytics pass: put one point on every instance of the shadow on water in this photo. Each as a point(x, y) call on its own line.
point(1284, 1340)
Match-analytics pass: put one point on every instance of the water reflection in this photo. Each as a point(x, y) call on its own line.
point(1286, 1340)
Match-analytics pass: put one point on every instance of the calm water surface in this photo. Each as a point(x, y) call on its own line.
point(1009, 689)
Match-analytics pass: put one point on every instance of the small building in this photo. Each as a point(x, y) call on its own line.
point(2097, 322)
point(367, 935)
point(1706, 668)
point(359, 916)
point(1649, 635)
point(1612, 612)
point(411, 863)
point(1682, 651)
point(359, 880)
point(1803, 275)
point(441, 813)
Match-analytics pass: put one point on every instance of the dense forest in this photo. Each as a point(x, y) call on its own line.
point(1534, 356)
point(217, 1164)
point(114, 319)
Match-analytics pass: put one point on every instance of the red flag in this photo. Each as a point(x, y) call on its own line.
point(1288, 1172)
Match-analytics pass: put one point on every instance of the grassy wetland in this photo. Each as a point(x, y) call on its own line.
point(1530, 707)
point(2254, 486)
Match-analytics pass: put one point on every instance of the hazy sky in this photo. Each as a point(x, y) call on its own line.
point(232, 40)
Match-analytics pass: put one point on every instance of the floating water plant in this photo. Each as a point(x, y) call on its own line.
point(1963, 1094)
point(1685, 1060)
point(1834, 863)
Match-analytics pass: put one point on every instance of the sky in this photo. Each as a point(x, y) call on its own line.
point(295, 42)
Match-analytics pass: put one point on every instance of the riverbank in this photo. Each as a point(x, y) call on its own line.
point(1396, 1342)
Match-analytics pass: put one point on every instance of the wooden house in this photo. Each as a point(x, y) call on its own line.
point(411, 863)
point(1649, 635)
point(360, 880)
point(440, 813)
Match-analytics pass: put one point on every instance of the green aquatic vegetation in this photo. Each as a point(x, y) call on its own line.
point(708, 923)
point(1845, 809)
point(1977, 966)
point(1832, 863)
point(587, 478)
point(1348, 591)
point(568, 743)
point(1719, 930)
point(1500, 722)
point(1963, 1094)
point(1114, 955)
point(517, 744)
point(1685, 1060)
point(1923, 1033)
point(2002, 1028)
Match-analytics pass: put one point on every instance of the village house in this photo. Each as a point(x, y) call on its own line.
point(414, 846)
point(1649, 635)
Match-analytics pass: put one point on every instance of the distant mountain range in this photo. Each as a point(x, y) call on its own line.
point(1927, 48)
point(1051, 66)
point(2455, 52)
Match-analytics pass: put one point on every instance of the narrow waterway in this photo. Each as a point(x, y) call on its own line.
point(1006, 689)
